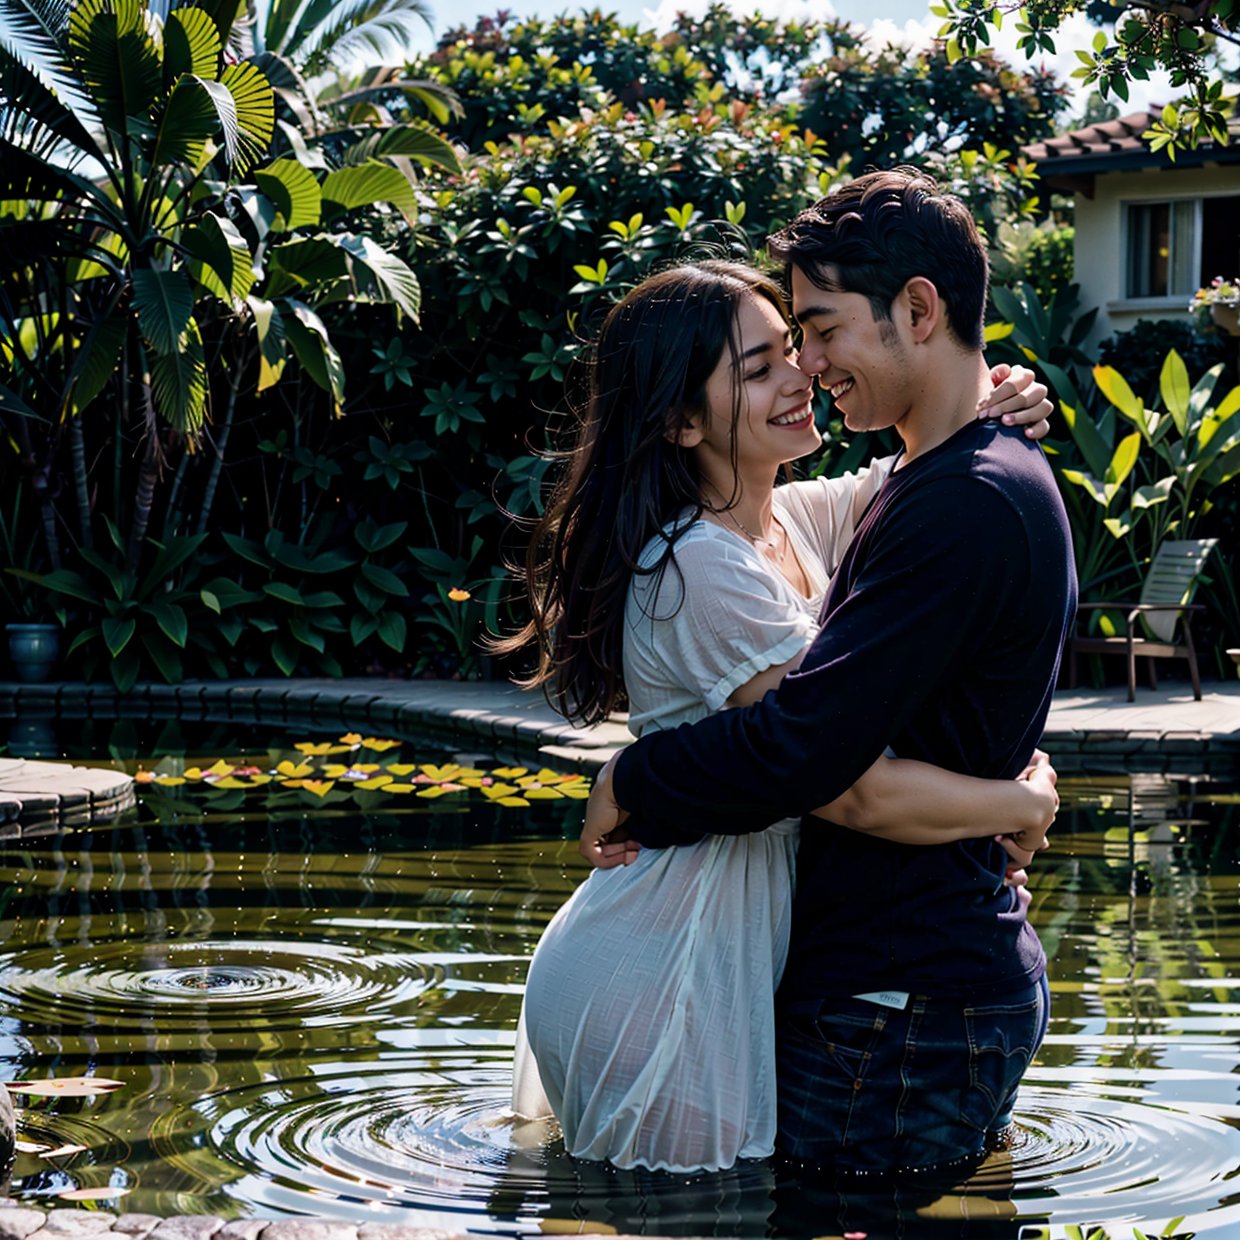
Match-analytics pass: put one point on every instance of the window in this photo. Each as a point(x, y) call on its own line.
point(1175, 247)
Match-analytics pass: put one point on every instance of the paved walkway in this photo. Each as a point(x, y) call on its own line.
point(1162, 729)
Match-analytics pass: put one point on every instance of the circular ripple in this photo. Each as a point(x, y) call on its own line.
point(1079, 1156)
point(420, 1136)
point(126, 983)
point(439, 1138)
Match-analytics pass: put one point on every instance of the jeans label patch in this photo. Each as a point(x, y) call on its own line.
point(897, 999)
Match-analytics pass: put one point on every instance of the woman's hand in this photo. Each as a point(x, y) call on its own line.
point(604, 842)
point(1018, 399)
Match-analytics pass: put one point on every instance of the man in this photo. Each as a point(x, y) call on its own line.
point(914, 994)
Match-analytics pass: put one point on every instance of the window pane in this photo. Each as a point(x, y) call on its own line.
point(1149, 248)
point(1184, 262)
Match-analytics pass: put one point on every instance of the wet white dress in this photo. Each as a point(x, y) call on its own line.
point(648, 1021)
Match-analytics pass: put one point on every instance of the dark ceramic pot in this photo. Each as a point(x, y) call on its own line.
point(34, 649)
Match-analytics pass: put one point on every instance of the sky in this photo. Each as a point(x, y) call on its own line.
point(905, 21)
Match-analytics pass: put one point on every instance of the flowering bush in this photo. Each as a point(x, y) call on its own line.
point(1218, 292)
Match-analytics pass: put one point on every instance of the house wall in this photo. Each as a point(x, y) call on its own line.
point(1099, 248)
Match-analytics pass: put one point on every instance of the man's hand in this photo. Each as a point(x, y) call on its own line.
point(1021, 846)
point(604, 842)
point(1018, 399)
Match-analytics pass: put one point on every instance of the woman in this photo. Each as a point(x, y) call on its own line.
point(670, 567)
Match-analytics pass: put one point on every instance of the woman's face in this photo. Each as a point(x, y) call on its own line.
point(776, 422)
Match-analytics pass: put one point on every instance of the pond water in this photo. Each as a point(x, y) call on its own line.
point(310, 997)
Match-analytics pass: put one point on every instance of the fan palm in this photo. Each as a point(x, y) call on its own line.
point(317, 35)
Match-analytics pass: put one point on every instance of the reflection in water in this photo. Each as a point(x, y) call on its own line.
point(314, 1013)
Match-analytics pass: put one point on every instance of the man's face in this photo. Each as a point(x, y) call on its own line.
point(864, 364)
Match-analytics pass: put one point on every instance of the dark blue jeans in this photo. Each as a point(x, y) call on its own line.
point(870, 1089)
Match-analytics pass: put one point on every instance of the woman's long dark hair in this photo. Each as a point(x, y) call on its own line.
point(626, 476)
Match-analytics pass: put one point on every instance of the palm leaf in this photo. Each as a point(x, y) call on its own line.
point(362, 186)
point(192, 45)
point(196, 110)
point(179, 382)
point(439, 100)
point(32, 33)
point(41, 121)
point(96, 361)
point(415, 139)
point(293, 190)
point(310, 263)
point(25, 176)
point(256, 111)
point(374, 32)
point(269, 323)
point(117, 57)
point(225, 14)
point(165, 305)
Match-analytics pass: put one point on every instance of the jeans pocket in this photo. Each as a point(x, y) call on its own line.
point(850, 1037)
point(1002, 1039)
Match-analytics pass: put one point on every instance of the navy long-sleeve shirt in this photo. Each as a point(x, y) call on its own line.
point(941, 639)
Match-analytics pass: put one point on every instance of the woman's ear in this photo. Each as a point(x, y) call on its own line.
point(685, 430)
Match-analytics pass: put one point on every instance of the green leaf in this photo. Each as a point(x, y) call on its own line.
point(384, 579)
point(211, 601)
point(393, 632)
point(373, 538)
point(1115, 388)
point(284, 592)
point(117, 57)
point(165, 303)
point(413, 140)
point(998, 331)
point(313, 348)
point(372, 182)
point(192, 45)
point(255, 106)
point(179, 383)
point(1175, 389)
point(361, 627)
point(1122, 461)
point(220, 259)
point(293, 190)
point(171, 620)
point(96, 361)
point(30, 34)
point(117, 632)
point(394, 279)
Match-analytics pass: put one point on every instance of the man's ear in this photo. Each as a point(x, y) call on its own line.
point(685, 430)
point(924, 306)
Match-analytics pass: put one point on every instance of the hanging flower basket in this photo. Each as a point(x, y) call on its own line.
point(1222, 299)
point(1226, 317)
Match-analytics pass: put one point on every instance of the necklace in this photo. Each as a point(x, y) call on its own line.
point(779, 552)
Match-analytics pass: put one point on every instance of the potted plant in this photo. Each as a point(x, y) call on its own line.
point(1221, 298)
point(34, 641)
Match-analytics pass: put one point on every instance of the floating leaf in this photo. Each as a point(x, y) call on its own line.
point(320, 787)
point(544, 794)
point(351, 738)
point(435, 790)
point(575, 792)
point(376, 781)
point(64, 1086)
point(511, 801)
point(510, 772)
point(399, 788)
point(194, 772)
point(227, 781)
point(440, 773)
point(403, 768)
point(220, 768)
point(497, 791)
point(102, 1193)
point(312, 748)
point(379, 745)
point(170, 781)
point(294, 771)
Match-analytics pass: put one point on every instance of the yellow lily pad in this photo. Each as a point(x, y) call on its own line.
point(511, 801)
point(575, 792)
point(509, 772)
point(229, 782)
point(320, 787)
point(402, 768)
point(257, 781)
point(294, 770)
point(375, 781)
point(351, 738)
point(194, 772)
point(440, 773)
point(435, 790)
point(544, 794)
point(220, 768)
point(469, 772)
point(398, 788)
point(314, 748)
point(496, 791)
point(64, 1086)
point(292, 783)
point(332, 770)
point(169, 781)
point(379, 744)
point(471, 781)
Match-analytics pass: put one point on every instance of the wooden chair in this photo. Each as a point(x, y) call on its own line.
point(1165, 595)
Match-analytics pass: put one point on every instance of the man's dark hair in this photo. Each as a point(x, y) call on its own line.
point(874, 234)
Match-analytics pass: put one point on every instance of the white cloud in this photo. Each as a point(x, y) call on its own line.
point(664, 15)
